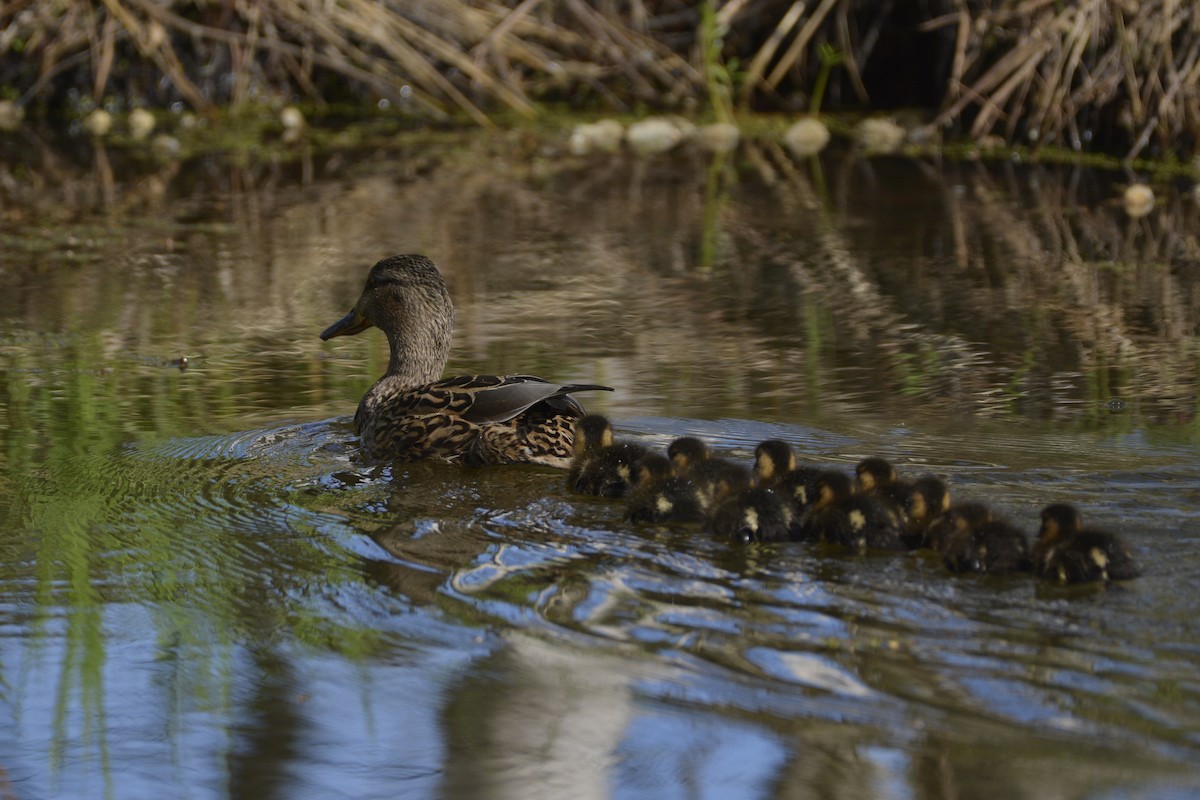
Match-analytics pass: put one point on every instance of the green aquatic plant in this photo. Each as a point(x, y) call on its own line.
point(718, 73)
point(830, 57)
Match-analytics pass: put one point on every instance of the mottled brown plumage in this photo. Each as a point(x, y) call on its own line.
point(411, 413)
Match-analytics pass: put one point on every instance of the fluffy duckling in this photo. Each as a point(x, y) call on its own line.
point(719, 478)
point(699, 482)
point(775, 467)
point(857, 521)
point(958, 520)
point(927, 498)
point(672, 499)
point(798, 489)
point(874, 474)
point(773, 460)
point(593, 433)
point(753, 515)
point(651, 469)
point(993, 546)
point(602, 466)
point(1070, 553)
point(686, 452)
point(650, 477)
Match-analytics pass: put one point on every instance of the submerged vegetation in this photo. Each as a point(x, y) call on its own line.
point(1111, 74)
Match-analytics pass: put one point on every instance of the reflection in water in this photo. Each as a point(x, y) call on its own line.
point(289, 621)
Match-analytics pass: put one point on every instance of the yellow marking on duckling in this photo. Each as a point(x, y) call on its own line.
point(918, 505)
point(766, 468)
point(751, 518)
point(1099, 558)
point(663, 504)
point(858, 520)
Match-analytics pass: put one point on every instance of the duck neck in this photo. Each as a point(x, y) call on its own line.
point(416, 359)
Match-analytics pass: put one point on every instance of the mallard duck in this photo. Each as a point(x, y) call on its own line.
point(756, 514)
point(601, 465)
point(1067, 552)
point(413, 413)
point(838, 515)
point(993, 545)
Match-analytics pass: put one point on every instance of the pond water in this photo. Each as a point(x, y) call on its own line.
point(203, 593)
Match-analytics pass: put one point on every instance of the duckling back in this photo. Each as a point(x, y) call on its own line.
point(753, 515)
point(994, 546)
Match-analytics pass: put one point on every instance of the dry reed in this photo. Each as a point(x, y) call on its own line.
point(1113, 72)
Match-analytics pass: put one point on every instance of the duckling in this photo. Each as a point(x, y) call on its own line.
point(671, 499)
point(993, 546)
point(927, 498)
point(798, 489)
point(858, 521)
point(1067, 552)
point(602, 466)
point(876, 476)
point(753, 515)
point(651, 469)
point(718, 478)
point(699, 482)
point(686, 452)
point(773, 459)
point(593, 433)
point(413, 413)
point(958, 520)
point(873, 474)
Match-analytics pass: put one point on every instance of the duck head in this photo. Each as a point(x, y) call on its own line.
point(407, 299)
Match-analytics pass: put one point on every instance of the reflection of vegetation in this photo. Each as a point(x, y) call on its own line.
point(104, 529)
point(716, 197)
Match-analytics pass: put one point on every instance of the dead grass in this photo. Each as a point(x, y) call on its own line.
point(1121, 72)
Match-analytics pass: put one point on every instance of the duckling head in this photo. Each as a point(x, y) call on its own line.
point(874, 472)
point(927, 498)
point(650, 469)
point(686, 452)
point(405, 297)
point(772, 459)
point(830, 487)
point(1059, 519)
point(592, 433)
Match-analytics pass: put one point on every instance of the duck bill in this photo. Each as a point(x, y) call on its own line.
point(352, 323)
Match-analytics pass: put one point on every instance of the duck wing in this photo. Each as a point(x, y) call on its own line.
point(500, 398)
point(479, 399)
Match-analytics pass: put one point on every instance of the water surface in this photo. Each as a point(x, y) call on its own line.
point(202, 591)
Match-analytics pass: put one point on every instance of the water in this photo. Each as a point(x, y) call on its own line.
point(203, 593)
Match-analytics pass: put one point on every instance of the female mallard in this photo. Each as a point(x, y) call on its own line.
point(413, 413)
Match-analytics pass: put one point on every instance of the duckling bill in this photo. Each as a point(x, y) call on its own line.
point(413, 413)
